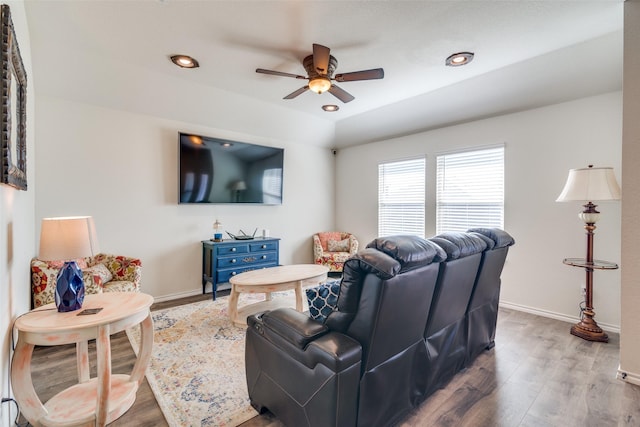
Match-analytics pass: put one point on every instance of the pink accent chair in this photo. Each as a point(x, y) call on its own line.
point(333, 248)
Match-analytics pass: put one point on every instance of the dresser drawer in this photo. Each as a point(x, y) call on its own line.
point(238, 248)
point(223, 275)
point(244, 259)
point(263, 246)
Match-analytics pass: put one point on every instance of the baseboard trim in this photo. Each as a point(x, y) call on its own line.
point(177, 295)
point(553, 315)
point(628, 377)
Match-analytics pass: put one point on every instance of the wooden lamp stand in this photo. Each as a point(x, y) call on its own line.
point(587, 328)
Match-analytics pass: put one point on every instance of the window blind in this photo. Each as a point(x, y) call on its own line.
point(470, 190)
point(401, 197)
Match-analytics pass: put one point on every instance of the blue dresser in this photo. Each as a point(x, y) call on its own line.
point(223, 260)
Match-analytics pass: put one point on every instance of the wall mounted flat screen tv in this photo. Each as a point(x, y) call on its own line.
point(214, 170)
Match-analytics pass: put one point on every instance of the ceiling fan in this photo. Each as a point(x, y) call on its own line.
point(320, 67)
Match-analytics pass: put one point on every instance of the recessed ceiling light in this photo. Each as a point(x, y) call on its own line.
point(184, 61)
point(330, 107)
point(458, 59)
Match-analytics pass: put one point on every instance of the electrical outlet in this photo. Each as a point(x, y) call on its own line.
point(583, 289)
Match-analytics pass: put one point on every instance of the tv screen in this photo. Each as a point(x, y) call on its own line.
point(214, 170)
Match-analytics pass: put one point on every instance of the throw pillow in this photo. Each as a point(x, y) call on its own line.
point(101, 271)
point(338, 245)
point(323, 299)
point(326, 236)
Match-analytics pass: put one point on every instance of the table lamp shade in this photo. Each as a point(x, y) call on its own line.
point(67, 238)
point(590, 184)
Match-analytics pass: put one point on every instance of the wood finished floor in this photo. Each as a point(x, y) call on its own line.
point(538, 375)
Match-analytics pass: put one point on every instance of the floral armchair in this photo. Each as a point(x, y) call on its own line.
point(101, 273)
point(333, 248)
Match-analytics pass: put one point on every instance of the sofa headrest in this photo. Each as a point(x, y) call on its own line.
point(355, 271)
point(500, 237)
point(372, 261)
point(459, 245)
point(409, 251)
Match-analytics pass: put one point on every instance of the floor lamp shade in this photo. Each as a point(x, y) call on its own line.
point(67, 239)
point(590, 184)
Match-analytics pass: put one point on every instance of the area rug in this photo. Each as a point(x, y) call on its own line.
point(197, 371)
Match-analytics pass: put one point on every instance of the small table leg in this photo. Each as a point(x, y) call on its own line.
point(103, 353)
point(233, 304)
point(299, 296)
point(82, 356)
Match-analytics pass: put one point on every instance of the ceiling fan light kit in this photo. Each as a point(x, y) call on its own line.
point(320, 67)
point(320, 84)
point(458, 59)
point(184, 61)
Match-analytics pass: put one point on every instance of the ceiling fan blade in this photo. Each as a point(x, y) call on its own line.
point(341, 94)
point(376, 73)
point(297, 92)
point(321, 59)
point(279, 73)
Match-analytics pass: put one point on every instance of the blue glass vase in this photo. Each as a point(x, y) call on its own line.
point(69, 288)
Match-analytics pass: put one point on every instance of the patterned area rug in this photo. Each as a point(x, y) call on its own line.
point(197, 370)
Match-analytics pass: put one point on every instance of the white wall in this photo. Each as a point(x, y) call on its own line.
point(630, 328)
point(541, 146)
point(16, 234)
point(122, 168)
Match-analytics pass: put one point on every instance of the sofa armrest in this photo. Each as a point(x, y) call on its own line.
point(309, 342)
point(353, 245)
point(318, 252)
point(297, 328)
point(43, 282)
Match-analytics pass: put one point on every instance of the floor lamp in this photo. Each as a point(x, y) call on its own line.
point(588, 185)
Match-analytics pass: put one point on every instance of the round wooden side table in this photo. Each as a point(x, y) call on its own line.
point(93, 401)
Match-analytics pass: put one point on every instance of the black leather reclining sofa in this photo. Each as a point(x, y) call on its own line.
point(411, 313)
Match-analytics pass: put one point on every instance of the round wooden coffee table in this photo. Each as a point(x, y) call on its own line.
point(272, 279)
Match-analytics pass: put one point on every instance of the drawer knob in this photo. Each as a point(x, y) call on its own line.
point(264, 257)
point(233, 261)
point(233, 249)
point(233, 273)
point(264, 246)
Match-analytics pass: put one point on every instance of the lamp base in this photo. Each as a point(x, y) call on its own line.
point(69, 293)
point(589, 330)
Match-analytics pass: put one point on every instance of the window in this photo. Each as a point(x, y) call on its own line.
point(470, 190)
point(401, 197)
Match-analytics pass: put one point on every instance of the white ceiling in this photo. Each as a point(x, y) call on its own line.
point(528, 53)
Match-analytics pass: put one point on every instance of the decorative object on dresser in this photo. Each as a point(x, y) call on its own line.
point(223, 260)
point(13, 139)
point(217, 234)
point(92, 401)
point(333, 248)
point(67, 239)
point(588, 185)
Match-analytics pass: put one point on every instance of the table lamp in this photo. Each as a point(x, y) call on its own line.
point(588, 185)
point(67, 239)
